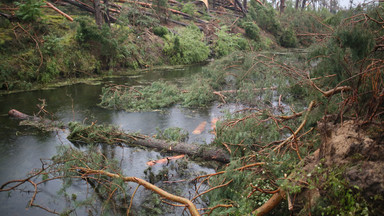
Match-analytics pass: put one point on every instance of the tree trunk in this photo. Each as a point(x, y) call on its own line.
point(98, 14)
point(282, 6)
point(303, 4)
point(107, 11)
point(206, 152)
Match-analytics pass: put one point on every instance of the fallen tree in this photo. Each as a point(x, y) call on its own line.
point(113, 135)
point(104, 178)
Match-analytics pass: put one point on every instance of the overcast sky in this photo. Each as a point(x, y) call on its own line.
point(345, 3)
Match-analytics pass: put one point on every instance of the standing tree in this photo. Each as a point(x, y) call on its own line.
point(98, 14)
point(282, 6)
point(297, 4)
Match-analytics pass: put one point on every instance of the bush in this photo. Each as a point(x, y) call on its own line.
point(30, 10)
point(227, 42)
point(252, 31)
point(266, 17)
point(186, 48)
point(160, 31)
point(288, 38)
point(199, 94)
point(189, 8)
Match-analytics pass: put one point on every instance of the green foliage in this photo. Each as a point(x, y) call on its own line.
point(135, 17)
point(226, 43)
point(161, 7)
point(341, 198)
point(288, 38)
point(29, 10)
point(51, 71)
point(359, 39)
point(187, 47)
point(199, 94)
point(252, 31)
point(157, 95)
point(266, 17)
point(349, 46)
point(160, 31)
point(65, 165)
point(189, 8)
point(173, 134)
point(93, 134)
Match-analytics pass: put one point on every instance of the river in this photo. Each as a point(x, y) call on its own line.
point(22, 147)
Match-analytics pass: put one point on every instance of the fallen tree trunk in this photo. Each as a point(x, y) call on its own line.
point(206, 152)
point(59, 11)
point(148, 5)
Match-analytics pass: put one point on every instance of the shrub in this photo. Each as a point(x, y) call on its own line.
point(186, 48)
point(266, 17)
point(199, 94)
point(288, 38)
point(189, 8)
point(226, 42)
point(252, 31)
point(160, 31)
point(30, 10)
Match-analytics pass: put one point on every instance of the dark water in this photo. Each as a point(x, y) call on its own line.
point(21, 147)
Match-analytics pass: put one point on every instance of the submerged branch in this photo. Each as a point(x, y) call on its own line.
point(191, 207)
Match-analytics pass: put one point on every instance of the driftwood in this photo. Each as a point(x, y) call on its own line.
point(196, 150)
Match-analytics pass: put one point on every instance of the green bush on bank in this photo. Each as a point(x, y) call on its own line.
point(29, 10)
point(186, 47)
point(266, 17)
point(288, 38)
point(227, 43)
point(252, 31)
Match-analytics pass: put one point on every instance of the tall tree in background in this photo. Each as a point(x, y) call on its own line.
point(162, 10)
point(282, 6)
point(297, 4)
point(303, 4)
point(98, 14)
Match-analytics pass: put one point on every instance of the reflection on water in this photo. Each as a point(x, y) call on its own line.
point(22, 147)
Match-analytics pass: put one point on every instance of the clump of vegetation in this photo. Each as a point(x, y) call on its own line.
point(341, 198)
point(29, 10)
point(265, 17)
point(160, 31)
point(189, 8)
point(187, 47)
point(199, 94)
point(252, 31)
point(227, 43)
point(157, 95)
point(288, 38)
point(94, 134)
point(173, 134)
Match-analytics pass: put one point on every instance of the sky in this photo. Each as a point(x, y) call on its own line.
point(345, 3)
